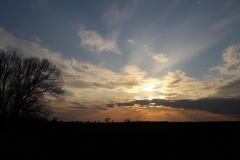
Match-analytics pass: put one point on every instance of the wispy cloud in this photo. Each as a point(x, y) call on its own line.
point(232, 58)
point(95, 43)
point(134, 71)
point(159, 57)
point(8, 41)
point(117, 15)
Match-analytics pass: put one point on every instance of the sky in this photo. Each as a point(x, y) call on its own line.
point(143, 60)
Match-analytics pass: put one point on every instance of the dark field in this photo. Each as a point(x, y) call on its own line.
point(135, 140)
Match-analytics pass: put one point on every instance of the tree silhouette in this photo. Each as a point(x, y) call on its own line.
point(24, 84)
point(127, 120)
point(54, 119)
point(107, 119)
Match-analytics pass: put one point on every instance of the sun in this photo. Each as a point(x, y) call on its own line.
point(149, 88)
point(150, 98)
point(152, 87)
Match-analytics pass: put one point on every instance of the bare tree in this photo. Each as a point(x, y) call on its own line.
point(24, 83)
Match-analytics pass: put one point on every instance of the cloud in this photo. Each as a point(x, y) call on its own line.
point(227, 106)
point(77, 105)
point(230, 88)
point(89, 76)
point(37, 39)
point(124, 104)
point(8, 41)
point(232, 58)
point(130, 41)
point(231, 67)
point(179, 110)
point(193, 110)
point(159, 57)
point(174, 79)
point(86, 76)
point(134, 71)
point(214, 105)
point(110, 105)
point(92, 76)
point(95, 43)
point(177, 82)
point(116, 16)
point(135, 80)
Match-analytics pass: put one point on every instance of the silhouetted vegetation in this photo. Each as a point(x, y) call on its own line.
point(37, 139)
point(24, 81)
point(107, 119)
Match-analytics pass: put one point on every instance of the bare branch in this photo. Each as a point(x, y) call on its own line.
point(23, 82)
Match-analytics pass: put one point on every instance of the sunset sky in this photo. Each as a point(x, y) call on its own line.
point(146, 60)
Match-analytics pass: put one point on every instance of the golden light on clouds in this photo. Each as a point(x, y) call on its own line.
point(149, 88)
point(135, 72)
point(156, 97)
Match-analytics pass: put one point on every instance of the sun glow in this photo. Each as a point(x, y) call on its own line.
point(156, 97)
point(149, 98)
point(149, 88)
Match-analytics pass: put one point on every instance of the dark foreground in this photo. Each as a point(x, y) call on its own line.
point(149, 140)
